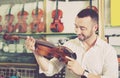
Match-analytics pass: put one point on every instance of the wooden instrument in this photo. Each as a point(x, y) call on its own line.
point(9, 20)
point(21, 26)
point(0, 24)
point(92, 7)
point(57, 25)
point(37, 25)
point(47, 49)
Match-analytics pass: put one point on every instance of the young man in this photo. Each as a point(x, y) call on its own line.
point(95, 58)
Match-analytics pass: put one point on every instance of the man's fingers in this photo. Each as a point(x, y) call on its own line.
point(71, 59)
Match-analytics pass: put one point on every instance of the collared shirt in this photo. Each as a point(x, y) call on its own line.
point(100, 59)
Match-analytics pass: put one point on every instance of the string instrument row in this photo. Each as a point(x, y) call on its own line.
point(21, 26)
point(37, 24)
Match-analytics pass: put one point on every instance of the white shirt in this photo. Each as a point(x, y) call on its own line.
point(101, 59)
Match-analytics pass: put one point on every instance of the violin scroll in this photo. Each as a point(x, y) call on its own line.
point(7, 36)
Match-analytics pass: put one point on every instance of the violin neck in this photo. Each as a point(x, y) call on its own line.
point(40, 42)
point(10, 11)
point(45, 43)
point(22, 37)
point(22, 10)
point(56, 16)
point(91, 4)
point(36, 8)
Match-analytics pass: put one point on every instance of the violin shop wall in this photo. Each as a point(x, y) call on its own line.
point(69, 9)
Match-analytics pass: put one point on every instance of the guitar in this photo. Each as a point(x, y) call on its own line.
point(37, 25)
point(57, 25)
point(21, 26)
point(9, 20)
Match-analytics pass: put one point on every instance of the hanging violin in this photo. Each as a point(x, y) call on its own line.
point(57, 25)
point(37, 25)
point(21, 26)
point(92, 7)
point(46, 49)
point(0, 24)
point(9, 20)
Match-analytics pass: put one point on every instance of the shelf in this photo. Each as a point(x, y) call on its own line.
point(37, 34)
point(18, 64)
point(42, 33)
point(17, 58)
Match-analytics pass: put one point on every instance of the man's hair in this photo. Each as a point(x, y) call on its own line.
point(88, 12)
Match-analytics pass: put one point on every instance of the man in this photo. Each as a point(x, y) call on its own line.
point(95, 58)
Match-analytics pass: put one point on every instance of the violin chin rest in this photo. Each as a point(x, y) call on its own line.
point(73, 55)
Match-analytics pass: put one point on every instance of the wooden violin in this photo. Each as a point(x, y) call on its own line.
point(37, 25)
point(47, 49)
point(57, 25)
point(9, 20)
point(0, 24)
point(21, 26)
point(92, 7)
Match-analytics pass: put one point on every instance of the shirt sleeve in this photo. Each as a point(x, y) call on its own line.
point(110, 67)
point(54, 67)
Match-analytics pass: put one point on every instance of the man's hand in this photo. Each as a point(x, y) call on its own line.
point(30, 43)
point(74, 66)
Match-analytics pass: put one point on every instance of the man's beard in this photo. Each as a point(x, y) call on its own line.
point(82, 37)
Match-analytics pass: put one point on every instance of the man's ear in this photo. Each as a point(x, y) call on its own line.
point(96, 27)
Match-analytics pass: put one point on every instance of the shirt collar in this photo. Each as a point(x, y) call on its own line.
point(97, 43)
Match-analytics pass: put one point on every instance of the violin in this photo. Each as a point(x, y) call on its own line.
point(57, 25)
point(0, 24)
point(92, 7)
point(37, 25)
point(21, 26)
point(46, 49)
point(9, 20)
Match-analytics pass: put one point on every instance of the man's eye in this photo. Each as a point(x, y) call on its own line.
point(82, 28)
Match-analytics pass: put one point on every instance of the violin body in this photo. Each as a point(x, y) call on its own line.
point(9, 26)
point(21, 26)
point(59, 12)
point(57, 25)
point(37, 25)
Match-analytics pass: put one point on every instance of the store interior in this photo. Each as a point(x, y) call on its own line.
point(16, 59)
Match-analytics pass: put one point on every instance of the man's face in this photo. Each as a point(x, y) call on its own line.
point(84, 28)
